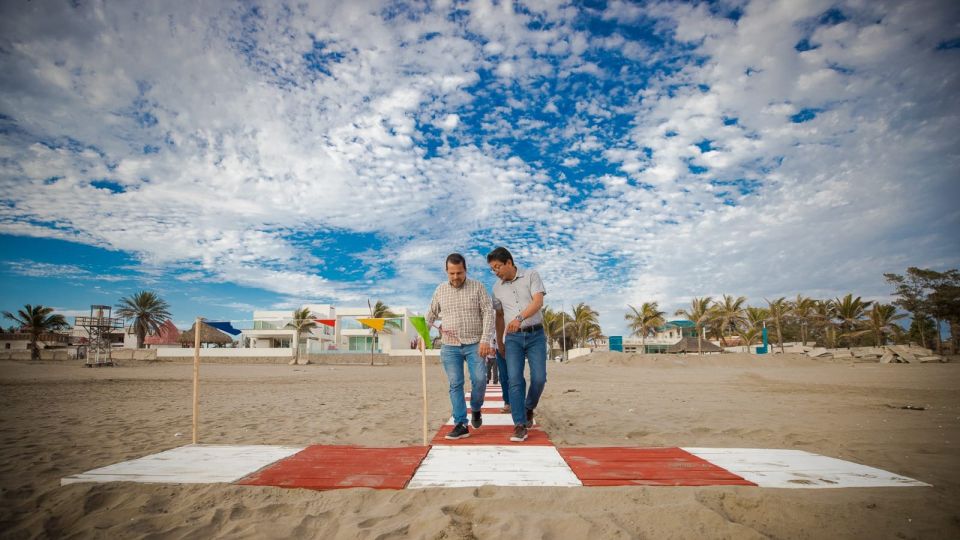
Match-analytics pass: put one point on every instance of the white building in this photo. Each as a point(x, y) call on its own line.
point(346, 335)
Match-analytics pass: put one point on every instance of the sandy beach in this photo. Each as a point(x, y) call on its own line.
point(58, 419)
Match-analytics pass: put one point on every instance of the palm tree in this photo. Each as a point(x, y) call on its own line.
point(392, 322)
point(749, 335)
point(754, 317)
point(148, 312)
point(585, 323)
point(699, 315)
point(824, 311)
point(37, 320)
point(881, 320)
point(643, 320)
point(302, 322)
point(553, 327)
point(803, 311)
point(729, 314)
point(778, 309)
point(849, 311)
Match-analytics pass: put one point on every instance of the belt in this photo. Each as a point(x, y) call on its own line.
point(533, 328)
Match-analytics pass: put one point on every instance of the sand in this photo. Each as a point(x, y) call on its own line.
point(58, 419)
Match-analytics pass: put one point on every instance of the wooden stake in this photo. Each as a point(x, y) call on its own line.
point(423, 382)
point(196, 377)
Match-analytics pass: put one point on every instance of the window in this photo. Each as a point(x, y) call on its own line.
point(361, 343)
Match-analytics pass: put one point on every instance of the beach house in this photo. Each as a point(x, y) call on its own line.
point(337, 329)
point(664, 336)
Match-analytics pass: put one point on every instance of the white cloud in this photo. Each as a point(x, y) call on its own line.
point(229, 149)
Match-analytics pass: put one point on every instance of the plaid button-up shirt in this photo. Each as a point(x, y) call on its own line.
point(467, 312)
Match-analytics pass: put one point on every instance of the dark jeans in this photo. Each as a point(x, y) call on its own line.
point(532, 347)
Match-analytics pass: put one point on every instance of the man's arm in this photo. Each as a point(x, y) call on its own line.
point(500, 327)
point(486, 312)
point(535, 304)
point(434, 310)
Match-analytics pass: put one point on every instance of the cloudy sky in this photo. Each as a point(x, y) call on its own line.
point(258, 155)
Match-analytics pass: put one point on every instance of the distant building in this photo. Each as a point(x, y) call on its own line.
point(337, 329)
point(167, 337)
point(20, 341)
point(664, 336)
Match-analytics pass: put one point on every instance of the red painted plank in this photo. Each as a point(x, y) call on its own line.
point(624, 466)
point(495, 435)
point(337, 467)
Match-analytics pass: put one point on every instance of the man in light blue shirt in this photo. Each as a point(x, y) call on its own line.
point(517, 300)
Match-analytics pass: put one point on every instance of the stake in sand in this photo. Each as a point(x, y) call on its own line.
point(196, 377)
point(421, 325)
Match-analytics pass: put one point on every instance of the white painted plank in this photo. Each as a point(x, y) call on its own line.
point(488, 404)
point(820, 479)
point(740, 451)
point(490, 419)
point(799, 469)
point(494, 465)
point(191, 464)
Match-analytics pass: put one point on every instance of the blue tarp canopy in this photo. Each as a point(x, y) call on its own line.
point(224, 326)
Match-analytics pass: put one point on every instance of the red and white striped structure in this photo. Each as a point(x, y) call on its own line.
point(487, 457)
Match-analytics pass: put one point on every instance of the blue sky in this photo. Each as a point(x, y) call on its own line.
point(264, 155)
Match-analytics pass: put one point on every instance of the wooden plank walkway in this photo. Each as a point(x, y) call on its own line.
point(191, 464)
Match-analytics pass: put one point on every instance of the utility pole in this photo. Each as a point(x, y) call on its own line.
point(563, 330)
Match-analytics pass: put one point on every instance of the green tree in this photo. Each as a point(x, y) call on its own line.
point(911, 296)
point(942, 298)
point(728, 313)
point(392, 322)
point(749, 336)
point(553, 327)
point(585, 323)
point(36, 320)
point(921, 330)
point(699, 314)
point(945, 301)
point(778, 310)
point(850, 312)
point(752, 327)
point(303, 322)
point(148, 312)
point(823, 316)
point(642, 321)
point(755, 317)
point(881, 321)
point(803, 312)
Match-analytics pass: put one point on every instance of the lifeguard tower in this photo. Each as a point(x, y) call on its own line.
point(99, 325)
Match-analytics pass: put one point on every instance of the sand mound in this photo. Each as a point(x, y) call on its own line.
point(693, 360)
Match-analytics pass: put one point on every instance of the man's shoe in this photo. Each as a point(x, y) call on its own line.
point(529, 418)
point(505, 409)
point(476, 419)
point(459, 431)
point(519, 433)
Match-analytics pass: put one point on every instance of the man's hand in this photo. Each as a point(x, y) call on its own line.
point(484, 349)
point(514, 326)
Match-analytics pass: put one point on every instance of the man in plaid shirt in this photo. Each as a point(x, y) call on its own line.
point(467, 319)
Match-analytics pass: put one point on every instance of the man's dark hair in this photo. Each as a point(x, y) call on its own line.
point(455, 258)
point(501, 255)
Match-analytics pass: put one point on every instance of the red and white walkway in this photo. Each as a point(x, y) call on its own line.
point(488, 457)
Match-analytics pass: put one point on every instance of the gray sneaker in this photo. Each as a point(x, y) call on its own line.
point(519, 433)
point(459, 431)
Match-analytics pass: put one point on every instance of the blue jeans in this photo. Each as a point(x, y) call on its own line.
point(504, 378)
point(453, 357)
point(531, 346)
